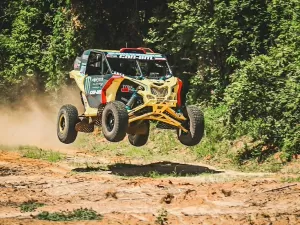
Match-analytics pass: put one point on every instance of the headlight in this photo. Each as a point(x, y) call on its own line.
point(159, 91)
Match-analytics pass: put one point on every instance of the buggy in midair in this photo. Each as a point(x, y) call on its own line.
point(122, 91)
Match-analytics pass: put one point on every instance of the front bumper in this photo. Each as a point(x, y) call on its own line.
point(159, 111)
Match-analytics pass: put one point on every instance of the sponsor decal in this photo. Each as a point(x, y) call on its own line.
point(126, 88)
point(97, 79)
point(112, 56)
point(93, 85)
point(87, 84)
point(140, 57)
point(117, 74)
point(96, 92)
point(135, 56)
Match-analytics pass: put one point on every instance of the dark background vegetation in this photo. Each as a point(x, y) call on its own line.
point(245, 57)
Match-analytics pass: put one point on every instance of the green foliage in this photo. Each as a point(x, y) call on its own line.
point(216, 35)
point(159, 137)
point(75, 215)
point(162, 217)
point(215, 143)
point(38, 153)
point(30, 206)
point(39, 42)
point(264, 99)
point(290, 179)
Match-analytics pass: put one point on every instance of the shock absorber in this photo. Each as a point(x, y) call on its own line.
point(131, 101)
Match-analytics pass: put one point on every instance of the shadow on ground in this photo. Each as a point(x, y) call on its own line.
point(152, 169)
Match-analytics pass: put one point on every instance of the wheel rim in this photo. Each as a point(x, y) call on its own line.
point(62, 123)
point(110, 121)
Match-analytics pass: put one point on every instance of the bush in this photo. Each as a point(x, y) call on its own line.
point(75, 215)
point(264, 100)
point(215, 143)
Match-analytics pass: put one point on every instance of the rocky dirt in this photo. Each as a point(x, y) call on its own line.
point(124, 195)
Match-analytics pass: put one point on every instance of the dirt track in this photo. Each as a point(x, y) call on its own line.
point(210, 197)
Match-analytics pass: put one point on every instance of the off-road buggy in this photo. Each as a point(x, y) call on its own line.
point(122, 91)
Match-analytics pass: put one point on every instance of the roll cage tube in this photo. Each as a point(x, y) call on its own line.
point(110, 70)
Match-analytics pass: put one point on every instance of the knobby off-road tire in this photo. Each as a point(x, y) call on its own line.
point(140, 139)
point(67, 119)
point(194, 125)
point(114, 121)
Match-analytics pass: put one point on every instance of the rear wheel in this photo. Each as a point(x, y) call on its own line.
point(114, 121)
point(140, 139)
point(66, 122)
point(195, 126)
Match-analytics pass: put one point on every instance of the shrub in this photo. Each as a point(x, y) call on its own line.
point(264, 100)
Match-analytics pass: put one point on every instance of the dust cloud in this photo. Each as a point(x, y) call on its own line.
point(32, 121)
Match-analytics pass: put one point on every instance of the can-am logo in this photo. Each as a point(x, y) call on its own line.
point(126, 88)
point(141, 57)
point(96, 92)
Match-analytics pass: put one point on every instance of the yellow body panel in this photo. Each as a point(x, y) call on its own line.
point(79, 79)
point(112, 90)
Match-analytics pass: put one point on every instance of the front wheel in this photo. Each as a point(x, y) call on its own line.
point(195, 126)
point(141, 139)
point(66, 122)
point(114, 121)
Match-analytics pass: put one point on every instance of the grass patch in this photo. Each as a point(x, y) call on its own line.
point(38, 153)
point(155, 174)
point(30, 206)
point(252, 165)
point(97, 144)
point(242, 154)
point(162, 217)
point(161, 146)
point(290, 179)
point(214, 146)
point(75, 215)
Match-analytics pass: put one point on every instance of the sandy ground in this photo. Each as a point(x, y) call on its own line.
point(123, 196)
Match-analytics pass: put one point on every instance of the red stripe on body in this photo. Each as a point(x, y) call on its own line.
point(106, 86)
point(179, 92)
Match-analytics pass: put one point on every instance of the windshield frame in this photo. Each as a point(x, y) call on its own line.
point(137, 58)
point(168, 69)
